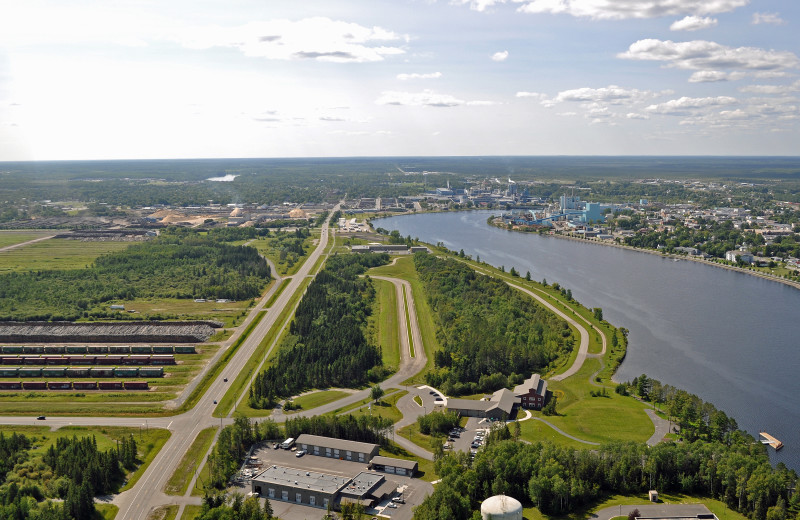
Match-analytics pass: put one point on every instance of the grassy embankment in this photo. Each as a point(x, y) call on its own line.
point(191, 512)
point(164, 513)
point(56, 253)
point(178, 483)
point(316, 399)
point(382, 328)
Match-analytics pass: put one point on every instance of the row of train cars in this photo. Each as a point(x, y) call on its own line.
point(85, 355)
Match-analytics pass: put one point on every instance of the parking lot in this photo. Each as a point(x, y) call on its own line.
point(411, 491)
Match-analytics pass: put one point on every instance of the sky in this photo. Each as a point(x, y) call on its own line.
point(152, 79)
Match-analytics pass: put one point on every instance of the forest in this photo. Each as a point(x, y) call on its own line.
point(326, 345)
point(559, 480)
point(179, 263)
point(491, 335)
point(72, 471)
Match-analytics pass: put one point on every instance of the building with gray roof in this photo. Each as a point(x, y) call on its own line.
point(337, 448)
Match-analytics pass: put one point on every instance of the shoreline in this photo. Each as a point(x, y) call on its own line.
point(765, 276)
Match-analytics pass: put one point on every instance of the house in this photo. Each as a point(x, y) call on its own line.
point(532, 392)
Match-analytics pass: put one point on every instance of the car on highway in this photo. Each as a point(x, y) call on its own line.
point(40, 418)
point(300, 453)
point(225, 380)
point(215, 401)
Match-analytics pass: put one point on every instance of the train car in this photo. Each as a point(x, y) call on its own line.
point(101, 372)
point(59, 385)
point(30, 372)
point(9, 371)
point(141, 349)
point(98, 349)
point(32, 360)
point(34, 385)
point(119, 349)
point(111, 359)
point(163, 349)
point(77, 349)
point(86, 360)
point(185, 349)
point(77, 372)
point(55, 360)
point(12, 349)
point(136, 385)
point(84, 385)
point(33, 349)
point(110, 385)
point(151, 372)
point(162, 359)
point(137, 360)
point(54, 372)
point(11, 360)
point(54, 349)
point(10, 385)
point(126, 372)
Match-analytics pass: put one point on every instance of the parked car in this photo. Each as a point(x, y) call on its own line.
point(300, 453)
point(391, 504)
point(398, 500)
point(275, 445)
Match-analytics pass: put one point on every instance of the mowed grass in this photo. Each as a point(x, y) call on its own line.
point(319, 398)
point(10, 238)
point(404, 269)
point(148, 441)
point(190, 512)
point(386, 407)
point(230, 313)
point(57, 253)
point(164, 513)
point(359, 404)
point(382, 325)
point(107, 511)
point(179, 482)
point(597, 419)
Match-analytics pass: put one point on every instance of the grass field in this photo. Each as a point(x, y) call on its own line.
point(404, 269)
point(106, 511)
point(191, 512)
point(178, 483)
point(382, 324)
point(231, 313)
point(164, 513)
point(318, 398)
point(359, 404)
point(10, 238)
point(386, 407)
point(267, 247)
point(57, 253)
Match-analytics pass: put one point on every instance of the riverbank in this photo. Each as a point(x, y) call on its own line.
point(595, 241)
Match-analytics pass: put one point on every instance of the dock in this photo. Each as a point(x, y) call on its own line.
point(766, 438)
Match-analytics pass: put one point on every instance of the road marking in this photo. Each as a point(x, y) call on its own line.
point(170, 424)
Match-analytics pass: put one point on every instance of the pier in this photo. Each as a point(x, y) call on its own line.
point(766, 438)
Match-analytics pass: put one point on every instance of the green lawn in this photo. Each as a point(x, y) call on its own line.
point(191, 512)
point(382, 325)
point(386, 407)
point(164, 513)
point(359, 404)
point(178, 483)
point(57, 253)
point(319, 398)
point(106, 511)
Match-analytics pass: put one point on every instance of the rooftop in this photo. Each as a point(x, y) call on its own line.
point(341, 444)
point(284, 476)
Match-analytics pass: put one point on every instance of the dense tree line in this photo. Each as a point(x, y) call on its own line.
point(559, 480)
point(437, 423)
point(177, 264)
point(326, 344)
point(235, 507)
point(361, 428)
point(490, 334)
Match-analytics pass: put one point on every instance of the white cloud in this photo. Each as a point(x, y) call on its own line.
point(537, 95)
point(612, 94)
point(685, 105)
point(481, 103)
point(414, 75)
point(624, 9)
point(315, 38)
point(500, 56)
point(634, 115)
point(772, 89)
point(426, 98)
point(769, 18)
point(711, 76)
point(705, 55)
point(478, 5)
point(692, 23)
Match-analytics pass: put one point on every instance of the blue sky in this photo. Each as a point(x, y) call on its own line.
point(150, 79)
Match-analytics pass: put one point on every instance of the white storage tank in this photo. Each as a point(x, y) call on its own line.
point(501, 507)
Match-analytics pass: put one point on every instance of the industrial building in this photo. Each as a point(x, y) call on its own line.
point(337, 448)
point(322, 490)
point(498, 407)
point(406, 468)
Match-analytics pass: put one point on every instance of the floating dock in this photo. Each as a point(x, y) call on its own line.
point(766, 438)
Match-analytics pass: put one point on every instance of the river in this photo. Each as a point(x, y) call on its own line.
point(728, 337)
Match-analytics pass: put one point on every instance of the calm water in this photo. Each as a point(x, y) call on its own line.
point(728, 337)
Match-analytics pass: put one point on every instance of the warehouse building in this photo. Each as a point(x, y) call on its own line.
point(406, 468)
point(337, 448)
point(499, 407)
point(322, 490)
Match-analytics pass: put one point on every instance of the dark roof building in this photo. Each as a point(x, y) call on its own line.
point(337, 448)
point(532, 392)
point(498, 407)
point(392, 465)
